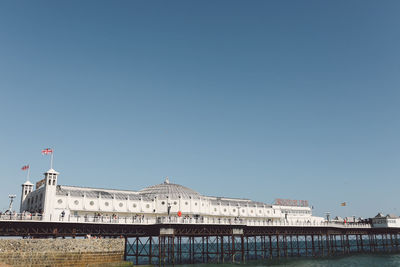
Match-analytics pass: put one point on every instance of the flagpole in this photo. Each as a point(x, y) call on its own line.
point(27, 175)
point(51, 160)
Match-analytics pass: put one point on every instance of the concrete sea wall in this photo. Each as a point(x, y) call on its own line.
point(61, 252)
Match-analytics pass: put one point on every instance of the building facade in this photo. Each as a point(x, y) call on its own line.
point(382, 221)
point(166, 199)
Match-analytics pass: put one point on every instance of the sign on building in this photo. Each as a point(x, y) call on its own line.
point(40, 183)
point(291, 202)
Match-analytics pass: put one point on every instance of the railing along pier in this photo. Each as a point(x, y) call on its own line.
point(170, 240)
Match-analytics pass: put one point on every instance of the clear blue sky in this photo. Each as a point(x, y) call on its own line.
point(254, 99)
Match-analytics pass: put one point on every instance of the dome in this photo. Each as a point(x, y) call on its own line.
point(169, 190)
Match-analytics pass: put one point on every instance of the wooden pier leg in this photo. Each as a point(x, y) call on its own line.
point(270, 247)
point(255, 247)
point(305, 238)
point(373, 242)
point(321, 237)
point(222, 249)
point(264, 247)
point(125, 247)
point(277, 246)
point(207, 252)
point(357, 243)
point(190, 250)
point(180, 249)
point(328, 250)
point(173, 250)
point(391, 241)
point(291, 245)
point(164, 251)
point(242, 248)
point(168, 250)
point(247, 248)
point(203, 251)
point(217, 255)
point(286, 245)
point(233, 248)
point(312, 244)
point(159, 251)
point(137, 251)
point(150, 250)
point(298, 247)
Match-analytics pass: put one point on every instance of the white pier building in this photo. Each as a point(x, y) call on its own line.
point(164, 200)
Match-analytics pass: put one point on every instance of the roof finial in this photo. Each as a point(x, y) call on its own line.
point(166, 180)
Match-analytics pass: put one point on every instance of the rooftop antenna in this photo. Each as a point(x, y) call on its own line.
point(11, 202)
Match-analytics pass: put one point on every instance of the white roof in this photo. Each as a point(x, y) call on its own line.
point(27, 183)
point(51, 171)
point(167, 189)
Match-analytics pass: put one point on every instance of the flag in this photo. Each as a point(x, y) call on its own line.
point(343, 204)
point(24, 168)
point(47, 151)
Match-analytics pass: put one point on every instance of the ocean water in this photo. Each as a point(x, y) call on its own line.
point(377, 260)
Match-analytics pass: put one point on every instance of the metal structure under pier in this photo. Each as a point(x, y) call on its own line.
point(170, 244)
point(189, 244)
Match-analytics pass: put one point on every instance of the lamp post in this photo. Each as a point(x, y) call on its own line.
point(11, 202)
point(328, 215)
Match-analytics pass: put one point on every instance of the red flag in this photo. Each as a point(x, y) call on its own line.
point(24, 168)
point(47, 151)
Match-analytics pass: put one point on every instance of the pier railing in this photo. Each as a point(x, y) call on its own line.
point(142, 220)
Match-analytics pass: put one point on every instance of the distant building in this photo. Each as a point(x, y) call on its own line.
point(166, 199)
point(382, 221)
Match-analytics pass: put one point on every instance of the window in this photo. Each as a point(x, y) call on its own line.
point(234, 210)
point(106, 204)
point(134, 205)
point(121, 204)
point(186, 203)
point(243, 210)
point(175, 203)
point(54, 182)
point(195, 203)
point(49, 182)
point(59, 201)
point(76, 202)
point(215, 209)
point(163, 203)
point(224, 210)
point(147, 206)
point(91, 203)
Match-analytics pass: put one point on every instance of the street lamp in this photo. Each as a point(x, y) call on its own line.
point(328, 215)
point(11, 202)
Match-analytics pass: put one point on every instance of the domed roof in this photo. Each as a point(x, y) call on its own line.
point(169, 190)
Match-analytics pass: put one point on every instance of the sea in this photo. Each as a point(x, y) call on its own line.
point(377, 260)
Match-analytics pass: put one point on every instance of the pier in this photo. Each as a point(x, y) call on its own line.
point(170, 241)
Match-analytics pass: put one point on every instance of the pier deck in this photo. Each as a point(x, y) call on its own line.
point(197, 242)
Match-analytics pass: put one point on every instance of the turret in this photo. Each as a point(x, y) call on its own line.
point(50, 192)
point(27, 188)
